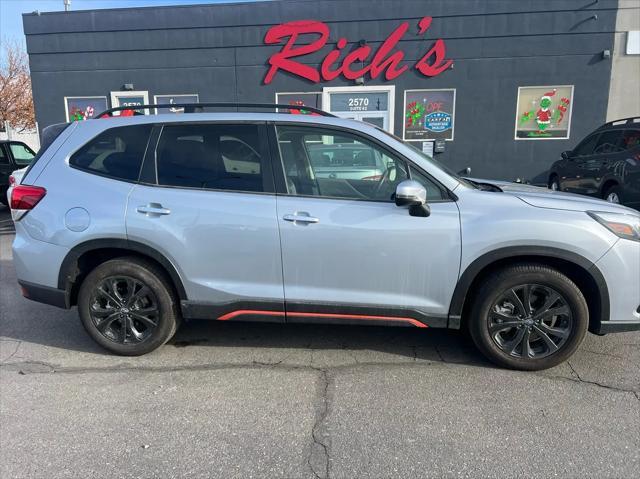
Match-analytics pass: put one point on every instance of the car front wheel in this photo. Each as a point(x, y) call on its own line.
point(528, 317)
point(127, 305)
point(614, 195)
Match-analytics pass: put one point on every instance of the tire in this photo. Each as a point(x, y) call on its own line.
point(614, 194)
point(104, 308)
point(495, 326)
point(554, 184)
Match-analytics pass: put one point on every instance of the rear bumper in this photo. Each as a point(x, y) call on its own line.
point(45, 294)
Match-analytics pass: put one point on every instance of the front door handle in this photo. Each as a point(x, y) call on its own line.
point(301, 217)
point(153, 209)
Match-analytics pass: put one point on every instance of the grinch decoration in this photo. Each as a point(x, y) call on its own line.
point(546, 117)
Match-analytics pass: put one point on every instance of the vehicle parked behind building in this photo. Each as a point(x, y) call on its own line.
point(606, 164)
point(144, 221)
point(14, 155)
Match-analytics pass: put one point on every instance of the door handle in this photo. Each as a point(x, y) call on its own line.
point(153, 209)
point(301, 217)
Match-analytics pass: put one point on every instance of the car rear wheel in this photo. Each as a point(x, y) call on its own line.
point(613, 194)
point(554, 184)
point(528, 317)
point(127, 305)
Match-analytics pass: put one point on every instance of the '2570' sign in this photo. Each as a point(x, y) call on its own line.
point(386, 59)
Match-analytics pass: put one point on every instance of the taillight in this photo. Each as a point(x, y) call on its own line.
point(25, 197)
point(12, 180)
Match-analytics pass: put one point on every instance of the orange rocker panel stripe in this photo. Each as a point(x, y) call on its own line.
point(244, 312)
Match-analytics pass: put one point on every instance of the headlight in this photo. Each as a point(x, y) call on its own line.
point(623, 225)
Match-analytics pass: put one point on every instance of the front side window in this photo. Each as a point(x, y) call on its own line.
point(586, 147)
point(210, 156)
point(334, 164)
point(22, 154)
point(116, 152)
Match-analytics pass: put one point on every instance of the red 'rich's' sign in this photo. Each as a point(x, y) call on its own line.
point(385, 59)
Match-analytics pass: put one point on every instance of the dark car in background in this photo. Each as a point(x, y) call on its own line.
point(13, 156)
point(606, 164)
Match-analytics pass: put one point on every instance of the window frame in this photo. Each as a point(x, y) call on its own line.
point(106, 175)
point(149, 169)
point(280, 177)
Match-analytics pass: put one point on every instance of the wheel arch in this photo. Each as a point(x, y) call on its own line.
point(580, 270)
point(83, 257)
point(608, 183)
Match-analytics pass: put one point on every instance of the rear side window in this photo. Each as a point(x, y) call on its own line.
point(211, 156)
point(608, 142)
point(117, 152)
point(630, 139)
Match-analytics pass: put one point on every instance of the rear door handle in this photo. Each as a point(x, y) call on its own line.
point(301, 217)
point(153, 209)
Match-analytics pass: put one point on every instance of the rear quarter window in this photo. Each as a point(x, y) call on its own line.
point(116, 152)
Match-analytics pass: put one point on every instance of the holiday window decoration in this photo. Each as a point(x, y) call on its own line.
point(429, 114)
point(544, 112)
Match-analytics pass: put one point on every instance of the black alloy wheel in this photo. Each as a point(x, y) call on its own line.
point(124, 309)
point(128, 306)
point(530, 321)
point(528, 316)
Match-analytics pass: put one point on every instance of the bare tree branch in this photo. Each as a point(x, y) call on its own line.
point(16, 98)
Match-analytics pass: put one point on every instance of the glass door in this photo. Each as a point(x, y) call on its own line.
point(372, 105)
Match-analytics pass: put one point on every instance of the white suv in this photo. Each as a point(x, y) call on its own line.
point(147, 220)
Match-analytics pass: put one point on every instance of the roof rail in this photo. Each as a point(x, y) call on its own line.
point(627, 121)
point(197, 107)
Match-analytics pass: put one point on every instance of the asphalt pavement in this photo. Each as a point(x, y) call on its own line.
point(302, 401)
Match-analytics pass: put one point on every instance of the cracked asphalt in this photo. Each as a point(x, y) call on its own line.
point(302, 401)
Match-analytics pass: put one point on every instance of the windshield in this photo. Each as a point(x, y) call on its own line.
point(432, 161)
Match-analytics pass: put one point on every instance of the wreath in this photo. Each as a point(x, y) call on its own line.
point(415, 111)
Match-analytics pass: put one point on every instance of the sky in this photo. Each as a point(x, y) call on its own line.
point(11, 10)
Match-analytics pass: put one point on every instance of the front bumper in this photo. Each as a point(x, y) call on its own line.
point(607, 327)
point(620, 267)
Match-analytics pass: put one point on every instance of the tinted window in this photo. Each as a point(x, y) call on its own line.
point(608, 142)
point(117, 152)
point(337, 165)
point(4, 159)
point(630, 139)
point(587, 146)
point(212, 156)
point(22, 154)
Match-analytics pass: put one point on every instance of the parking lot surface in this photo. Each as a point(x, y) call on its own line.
point(266, 400)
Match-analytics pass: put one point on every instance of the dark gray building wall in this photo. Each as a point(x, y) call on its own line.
point(217, 51)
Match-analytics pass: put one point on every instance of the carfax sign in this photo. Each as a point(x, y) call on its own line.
point(429, 114)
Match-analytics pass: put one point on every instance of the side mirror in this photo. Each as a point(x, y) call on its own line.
point(465, 171)
point(412, 194)
point(566, 154)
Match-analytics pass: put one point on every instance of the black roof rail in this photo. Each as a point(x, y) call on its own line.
point(627, 121)
point(197, 107)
